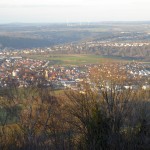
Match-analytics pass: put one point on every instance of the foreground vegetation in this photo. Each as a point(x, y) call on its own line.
point(94, 119)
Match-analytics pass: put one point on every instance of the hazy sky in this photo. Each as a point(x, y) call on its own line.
point(73, 10)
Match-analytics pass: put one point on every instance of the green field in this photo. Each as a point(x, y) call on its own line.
point(76, 59)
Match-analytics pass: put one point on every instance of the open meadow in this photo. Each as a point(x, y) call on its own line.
point(77, 59)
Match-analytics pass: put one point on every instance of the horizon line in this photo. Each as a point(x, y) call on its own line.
point(74, 22)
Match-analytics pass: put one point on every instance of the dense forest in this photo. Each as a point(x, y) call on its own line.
point(135, 53)
point(47, 40)
point(19, 36)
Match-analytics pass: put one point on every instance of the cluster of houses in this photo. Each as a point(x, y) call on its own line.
point(70, 47)
point(22, 71)
point(125, 76)
point(115, 44)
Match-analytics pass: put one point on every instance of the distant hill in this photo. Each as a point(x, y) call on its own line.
point(20, 36)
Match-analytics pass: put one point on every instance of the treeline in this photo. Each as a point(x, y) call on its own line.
point(21, 42)
point(133, 52)
point(40, 39)
point(130, 52)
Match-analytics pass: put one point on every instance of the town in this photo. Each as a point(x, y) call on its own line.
point(24, 72)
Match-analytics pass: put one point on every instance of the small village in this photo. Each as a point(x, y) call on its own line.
point(65, 48)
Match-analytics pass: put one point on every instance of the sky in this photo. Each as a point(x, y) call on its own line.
point(52, 11)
